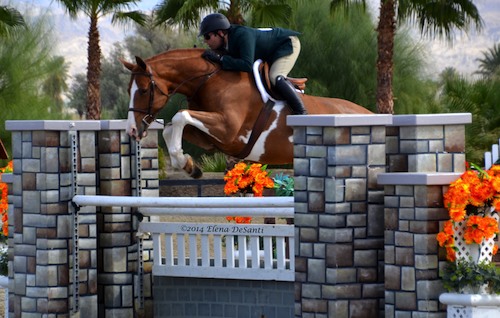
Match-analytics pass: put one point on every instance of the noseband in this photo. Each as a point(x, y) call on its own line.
point(149, 116)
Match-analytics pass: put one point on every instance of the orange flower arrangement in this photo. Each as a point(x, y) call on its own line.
point(473, 198)
point(239, 219)
point(245, 179)
point(4, 202)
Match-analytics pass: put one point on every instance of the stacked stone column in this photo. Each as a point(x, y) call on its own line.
point(426, 153)
point(339, 215)
point(44, 279)
point(40, 190)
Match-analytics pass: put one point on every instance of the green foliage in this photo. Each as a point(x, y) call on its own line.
point(4, 261)
point(339, 58)
point(440, 18)
point(481, 98)
point(94, 10)
point(78, 94)
point(336, 53)
point(25, 57)
point(413, 94)
point(489, 64)
point(162, 166)
point(148, 41)
point(10, 21)
point(114, 83)
point(115, 78)
point(188, 14)
point(55, 84)
point(213, 163)
point(283, 185)
point(464, 274)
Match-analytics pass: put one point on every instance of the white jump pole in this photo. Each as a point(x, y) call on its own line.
point(187, 211)
point(184, 202)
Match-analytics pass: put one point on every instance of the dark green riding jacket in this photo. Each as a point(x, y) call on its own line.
point(246, 45)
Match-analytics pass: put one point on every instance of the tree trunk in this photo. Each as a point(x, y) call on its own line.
point(234, 13)
point(385, 39)
point(94, 72)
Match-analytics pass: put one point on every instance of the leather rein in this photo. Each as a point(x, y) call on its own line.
point(149, 116)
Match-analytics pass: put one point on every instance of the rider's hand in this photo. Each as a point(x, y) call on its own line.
point(212, 56)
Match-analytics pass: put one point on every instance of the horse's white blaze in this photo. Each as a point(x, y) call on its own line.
point(173, 137)
point(131, 127)
point(259, 147)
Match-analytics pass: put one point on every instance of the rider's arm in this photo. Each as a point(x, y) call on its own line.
point(241, 51)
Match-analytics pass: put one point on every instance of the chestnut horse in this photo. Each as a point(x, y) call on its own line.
point(223, 107)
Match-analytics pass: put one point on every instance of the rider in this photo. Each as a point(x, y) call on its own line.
point(243, 45)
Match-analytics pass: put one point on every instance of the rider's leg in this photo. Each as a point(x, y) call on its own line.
point(278, 73)
point(284, 65)
point(286, 89)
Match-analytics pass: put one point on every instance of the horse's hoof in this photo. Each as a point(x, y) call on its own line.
point(196, 173)
point(192, 169)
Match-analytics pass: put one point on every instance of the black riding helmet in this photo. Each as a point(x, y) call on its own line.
point(213, 22)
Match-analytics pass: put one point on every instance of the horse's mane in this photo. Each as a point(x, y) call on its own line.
point(176, 54)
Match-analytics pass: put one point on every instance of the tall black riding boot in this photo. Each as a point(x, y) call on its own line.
point(288, 92)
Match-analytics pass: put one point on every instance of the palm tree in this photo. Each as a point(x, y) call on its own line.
point(490, 63)
point(10, 19)
point(55, 85)
point(95, 9)
point(434, 18)
point(189, 13)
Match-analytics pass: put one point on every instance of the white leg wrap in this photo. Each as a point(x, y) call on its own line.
point(174, 146)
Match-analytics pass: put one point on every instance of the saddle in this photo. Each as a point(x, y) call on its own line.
point(298, 83)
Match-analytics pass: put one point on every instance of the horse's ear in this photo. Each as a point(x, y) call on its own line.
point(128, 65)
point(141, 63)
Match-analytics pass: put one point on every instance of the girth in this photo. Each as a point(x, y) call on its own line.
point(260, 123)
point(257, 129)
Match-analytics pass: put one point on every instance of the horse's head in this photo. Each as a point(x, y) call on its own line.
point(147, 98)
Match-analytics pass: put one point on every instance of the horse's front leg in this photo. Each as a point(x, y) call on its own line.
point(174, 145)
point(173, 138)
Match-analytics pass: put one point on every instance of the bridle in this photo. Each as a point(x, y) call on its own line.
point(149, 116)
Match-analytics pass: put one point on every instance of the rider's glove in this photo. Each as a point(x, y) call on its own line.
point(212, 56)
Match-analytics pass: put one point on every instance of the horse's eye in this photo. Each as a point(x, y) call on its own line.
point(142, 91)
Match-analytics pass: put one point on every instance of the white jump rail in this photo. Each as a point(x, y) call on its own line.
point(491, 157)
point(232, 251)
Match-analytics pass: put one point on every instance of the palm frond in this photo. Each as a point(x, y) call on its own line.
point(124, 17)
point(185, 13)
point(489, 64)
point(271, 15)
point(10, 19)
point(336, 5)
point(440, 18)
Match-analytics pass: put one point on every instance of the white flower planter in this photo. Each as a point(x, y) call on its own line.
point(477, 252)
point(471, 305)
